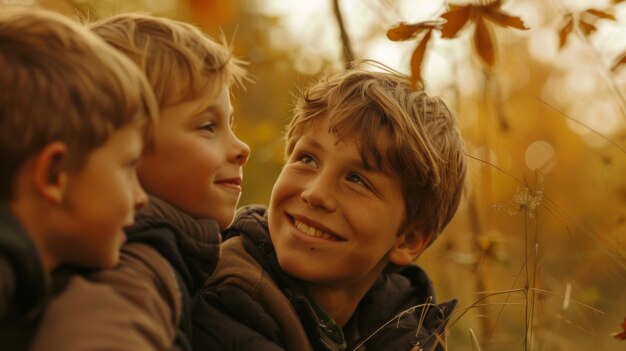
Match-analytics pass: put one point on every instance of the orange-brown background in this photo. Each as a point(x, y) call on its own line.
point(542, 231)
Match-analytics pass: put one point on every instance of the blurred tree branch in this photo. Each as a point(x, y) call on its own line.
point(348, 54)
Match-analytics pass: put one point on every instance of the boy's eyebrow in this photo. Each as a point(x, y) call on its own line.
point(363, 166)
point(311, 142)
point(359, 163)
point(214, 110)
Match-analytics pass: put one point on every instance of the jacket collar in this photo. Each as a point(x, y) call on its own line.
point(25, 276)
point(190, 244)
point(202, 229)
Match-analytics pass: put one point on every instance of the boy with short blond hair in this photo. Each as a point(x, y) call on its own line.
point(374, 173)
point(192, 172)
point(74, 115)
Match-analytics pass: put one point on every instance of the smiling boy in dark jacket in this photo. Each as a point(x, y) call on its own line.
point(374, 173)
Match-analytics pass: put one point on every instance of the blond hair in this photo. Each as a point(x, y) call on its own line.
point(60, 82)
point(399, 129)
point(179, 60)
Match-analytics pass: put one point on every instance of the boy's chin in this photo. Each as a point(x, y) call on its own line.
point(226, 220)
point(296, 269)
point(107, 262)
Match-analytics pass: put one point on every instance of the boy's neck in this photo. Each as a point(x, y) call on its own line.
point(340, 301)
point(339, 304)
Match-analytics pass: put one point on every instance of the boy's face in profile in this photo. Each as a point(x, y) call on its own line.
point(196, 163)
point(332, 221)
point(99, 200)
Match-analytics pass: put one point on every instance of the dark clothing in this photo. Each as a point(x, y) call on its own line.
point(243, 309)
point(237, 311)
point(145, 302)
point(191, 246)
point(23, 283)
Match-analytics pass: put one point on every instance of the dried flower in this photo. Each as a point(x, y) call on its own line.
point(526, 200)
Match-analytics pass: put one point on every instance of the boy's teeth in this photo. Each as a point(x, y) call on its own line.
point(311, 231)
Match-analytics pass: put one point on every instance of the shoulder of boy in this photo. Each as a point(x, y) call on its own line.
point(135, 306)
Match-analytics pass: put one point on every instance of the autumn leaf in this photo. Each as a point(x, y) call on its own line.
point(565, 31)
point(621, 335)
point(483, 41)
point(620, 61)
point(456, 18)
point(601, 14)
point(585, 22)
point(417, 58)
point(403, 31)
point(499, 17)
point(587, 28)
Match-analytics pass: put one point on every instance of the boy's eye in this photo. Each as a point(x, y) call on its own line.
point(357, 179)
point(306, 159)
point(354, 178)
point(209, 126)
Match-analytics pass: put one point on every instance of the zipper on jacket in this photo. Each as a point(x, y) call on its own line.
point(327, 345)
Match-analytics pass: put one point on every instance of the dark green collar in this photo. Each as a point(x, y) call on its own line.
point(327, 324)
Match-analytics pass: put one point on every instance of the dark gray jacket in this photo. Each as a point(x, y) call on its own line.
point(24, 283)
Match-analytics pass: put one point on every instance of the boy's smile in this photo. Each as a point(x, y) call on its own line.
point(332, 219)
point(312, 229)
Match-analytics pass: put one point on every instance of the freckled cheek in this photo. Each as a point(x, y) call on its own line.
point(283, 190)
point(291, 182)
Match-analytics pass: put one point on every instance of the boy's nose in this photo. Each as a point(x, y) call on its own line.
point(242, 152)
point(139, 195)
point(319, 193)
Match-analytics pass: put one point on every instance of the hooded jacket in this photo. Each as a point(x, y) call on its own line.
point(144, 303)
point(251, 304)
point(24, 283)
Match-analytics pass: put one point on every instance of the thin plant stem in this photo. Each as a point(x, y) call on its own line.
point(348, 53)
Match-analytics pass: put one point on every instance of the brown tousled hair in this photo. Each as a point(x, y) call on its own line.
point(399, 129)
point(60, 82)
point(179, 60)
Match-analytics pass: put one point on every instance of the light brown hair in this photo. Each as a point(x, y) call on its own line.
point(60, 82)
point(395, 128)
point(179, 60)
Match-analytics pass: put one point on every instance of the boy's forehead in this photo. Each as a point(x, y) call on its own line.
point(216, 100)
point(371, 154)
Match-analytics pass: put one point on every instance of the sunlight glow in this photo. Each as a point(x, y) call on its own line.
point(380, 50)
point(581, 5)
point(595, 116)
point(540, 156)
point(543, 44)
point(583, 81)
point(366, 23)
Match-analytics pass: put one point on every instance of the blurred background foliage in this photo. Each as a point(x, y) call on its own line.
point(537, 252)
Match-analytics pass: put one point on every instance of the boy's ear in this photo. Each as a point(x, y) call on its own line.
point(408, 247)
point(50, 173)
